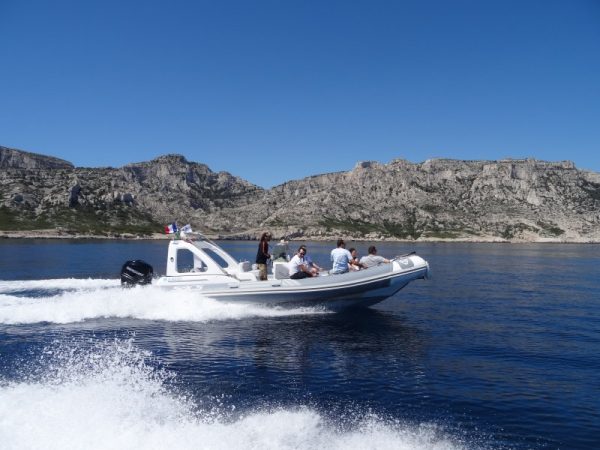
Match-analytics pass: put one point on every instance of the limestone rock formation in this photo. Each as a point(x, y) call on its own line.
point(18, 159)
point(439, 199)
point(136, 198)
point(514, 200)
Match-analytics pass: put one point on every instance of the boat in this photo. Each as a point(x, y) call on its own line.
point(200, 264)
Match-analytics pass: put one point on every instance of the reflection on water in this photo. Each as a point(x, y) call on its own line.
point(368, 349)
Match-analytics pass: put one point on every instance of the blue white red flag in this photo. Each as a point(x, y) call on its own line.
point(171, 228)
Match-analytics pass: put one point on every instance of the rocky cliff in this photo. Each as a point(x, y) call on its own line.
point(137, 198)
point(18, 159)
point(513, 200)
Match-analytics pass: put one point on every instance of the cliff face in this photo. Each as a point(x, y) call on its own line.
point(136, 198)
point(439, 199)
point(517, 200)
point(18, 159)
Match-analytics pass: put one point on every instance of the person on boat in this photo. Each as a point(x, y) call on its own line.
point(262, 255)
point(355, 264)
point(340, 257)
point(298, 267)
point(373, 259)
point(314, 268)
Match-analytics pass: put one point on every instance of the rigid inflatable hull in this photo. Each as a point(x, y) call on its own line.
point(363, 288)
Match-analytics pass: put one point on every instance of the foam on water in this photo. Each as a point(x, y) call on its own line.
point(13, 286)
point(113, 396)
point(79, 300)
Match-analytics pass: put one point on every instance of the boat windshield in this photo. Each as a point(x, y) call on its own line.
point(215, 257)
point(280, 252)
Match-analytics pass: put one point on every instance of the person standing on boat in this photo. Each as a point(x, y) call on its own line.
point(262, 255)
point(341, 258)
point(298, 267)
point(373, 259)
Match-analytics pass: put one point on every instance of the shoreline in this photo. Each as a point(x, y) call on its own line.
point(61, 235)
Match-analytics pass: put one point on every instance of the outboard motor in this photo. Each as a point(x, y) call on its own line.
point(136, 272)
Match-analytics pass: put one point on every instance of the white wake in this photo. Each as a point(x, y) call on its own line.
point(71, 301)
point(110, 397)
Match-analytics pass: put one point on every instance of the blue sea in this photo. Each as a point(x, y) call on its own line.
point(500, 349)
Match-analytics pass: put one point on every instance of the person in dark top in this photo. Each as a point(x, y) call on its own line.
point(262, 255)
point(354, 263)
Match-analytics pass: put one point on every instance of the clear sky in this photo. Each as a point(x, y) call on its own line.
point(278, 90)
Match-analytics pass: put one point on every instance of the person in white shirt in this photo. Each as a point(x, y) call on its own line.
point(313, 266)
point(298, 267)
point(341, 258)
point(373, 259)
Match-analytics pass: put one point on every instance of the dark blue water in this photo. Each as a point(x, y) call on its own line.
point(500, 349)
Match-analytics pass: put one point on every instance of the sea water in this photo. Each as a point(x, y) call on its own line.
point(500, 349)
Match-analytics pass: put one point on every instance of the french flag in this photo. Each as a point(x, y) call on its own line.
point(171, 228)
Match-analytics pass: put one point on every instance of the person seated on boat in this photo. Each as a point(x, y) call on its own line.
point(298, 267)
point(354, 262)
point(314, 268)
point(340, 257)
point(373, 259)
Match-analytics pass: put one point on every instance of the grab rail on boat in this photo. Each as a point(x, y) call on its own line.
point(404, 255)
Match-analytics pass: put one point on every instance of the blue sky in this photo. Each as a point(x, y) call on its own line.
point(278, 90)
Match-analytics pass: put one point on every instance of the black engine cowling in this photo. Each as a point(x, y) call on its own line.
point(136, 272)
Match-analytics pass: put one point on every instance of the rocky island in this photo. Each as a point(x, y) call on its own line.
point(510, 200)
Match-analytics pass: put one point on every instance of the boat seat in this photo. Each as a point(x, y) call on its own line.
point(247, 276)
point(281, 271)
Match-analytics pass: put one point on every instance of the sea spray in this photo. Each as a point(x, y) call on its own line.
point(87, 395)
point(110, 394)
point(55, 284)
point(81, 300)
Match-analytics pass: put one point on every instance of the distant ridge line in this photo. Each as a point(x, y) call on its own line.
point(440, 199)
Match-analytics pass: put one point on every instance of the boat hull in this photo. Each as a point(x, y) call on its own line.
point(363, 288)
